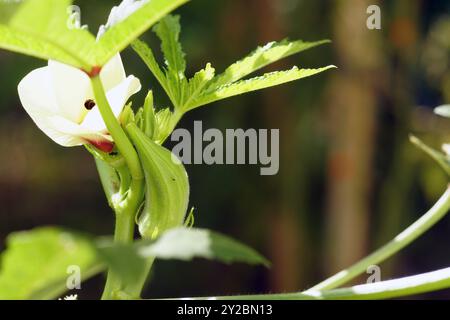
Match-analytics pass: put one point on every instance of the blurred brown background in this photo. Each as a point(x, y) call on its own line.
point(349, 180)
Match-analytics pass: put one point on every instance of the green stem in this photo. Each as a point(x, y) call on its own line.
point(421, 283)
point(436, 213)
point(109, 179)
point(124, 233)
point(174, 120)
point(435, 155)
point(134, 290)
point(118, 134)
point(125, 210)
point(125, 179)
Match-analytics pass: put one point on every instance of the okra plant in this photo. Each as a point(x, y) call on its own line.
point(82, 98)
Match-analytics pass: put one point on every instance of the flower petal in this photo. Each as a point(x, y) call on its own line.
point(72, 88)
point(117, 99)
point(38, 99)
point(37, 96)
point(36, 89)
point(113, 73)
point(119, 96)
point(70, 134)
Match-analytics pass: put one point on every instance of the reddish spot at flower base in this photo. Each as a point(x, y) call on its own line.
point(95, 71)
point(105, 146)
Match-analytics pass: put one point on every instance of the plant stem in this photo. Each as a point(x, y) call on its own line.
point(124, 233)
point(120, 138)
point(421, 283)
point(175, 118)
point(125, 179)
point(407, 286)
point(125, 210)
point(109, 179)
point(436, 213)
point(134, 290)
point(435, 155)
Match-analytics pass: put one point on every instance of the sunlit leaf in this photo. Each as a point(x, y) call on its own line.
point(146, 54)
point(181, 244)
point(121, 35)
point(258, 83)
point(35, 263)
point(261, 57)
point(205, 87)
point(190, 243)
point(39, 28)
point(168, 30)
point(197, 85)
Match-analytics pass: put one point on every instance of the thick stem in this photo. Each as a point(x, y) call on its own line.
point(436, 213)
point(125, 179)
point(125, 210)
point(134, 290)
point(124, 233)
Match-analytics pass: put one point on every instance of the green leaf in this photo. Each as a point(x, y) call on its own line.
point(157, 125)
point(197, 84)
point(146, 54)
point(168, 30)
point(121, 260)
point(190, 243)
point(39, 28)
point(443, 111)
point(258, 83)
point(190, 90)
point(262, 57)
point(164, 125)
point(35, 263)
point(204, 87)
point(167, 186)
point(122, 34)
point(181, 244)
point(149, 120)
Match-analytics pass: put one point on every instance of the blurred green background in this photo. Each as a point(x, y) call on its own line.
point(349, 180)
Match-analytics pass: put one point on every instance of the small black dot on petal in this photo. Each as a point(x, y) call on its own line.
point(89, 104)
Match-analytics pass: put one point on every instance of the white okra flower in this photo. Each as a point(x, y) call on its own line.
point(60, 100)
